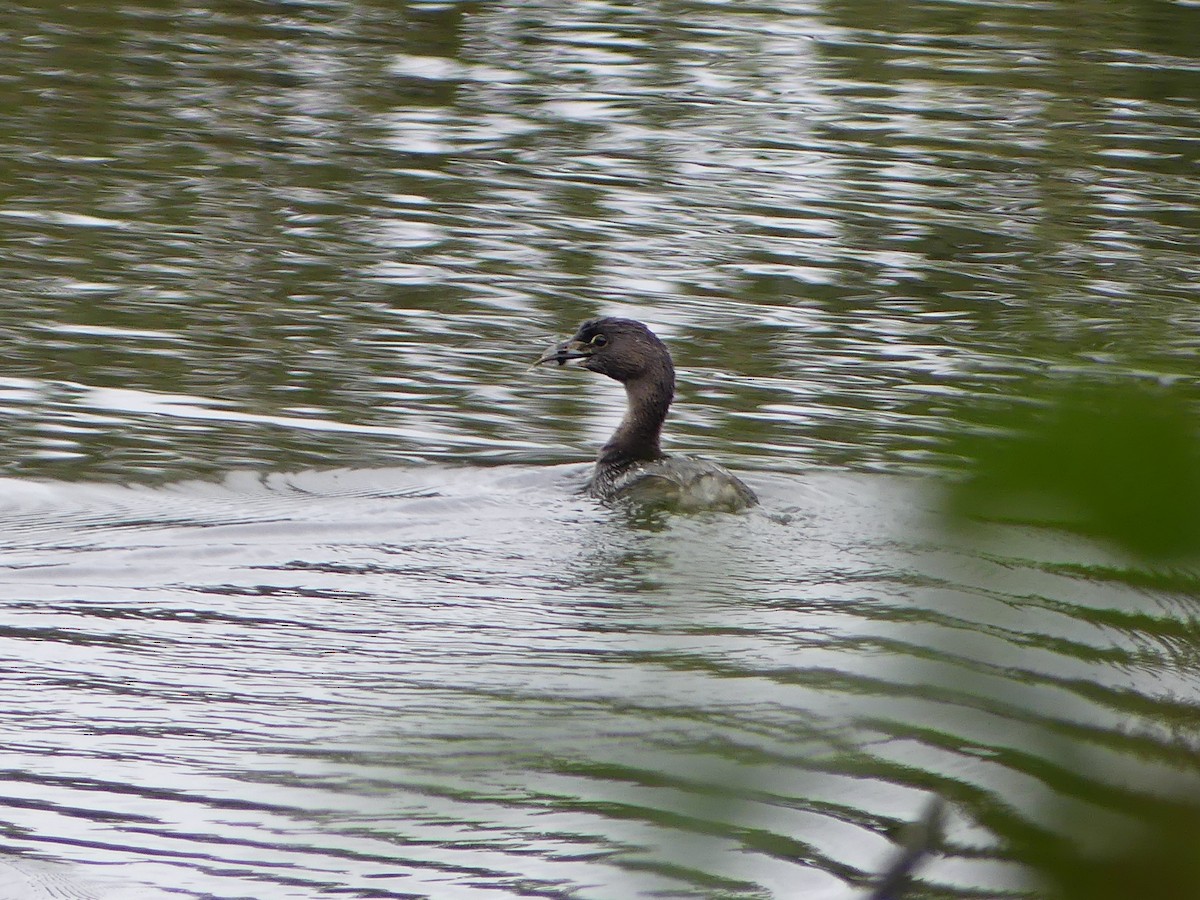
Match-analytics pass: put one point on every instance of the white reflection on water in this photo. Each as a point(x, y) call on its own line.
point(464, 680)
point(347, 643)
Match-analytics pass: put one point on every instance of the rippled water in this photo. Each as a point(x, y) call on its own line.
point(299, 597)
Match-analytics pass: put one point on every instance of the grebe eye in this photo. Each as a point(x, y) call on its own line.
point(599, 341)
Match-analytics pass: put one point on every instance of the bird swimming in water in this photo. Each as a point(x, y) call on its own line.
point(632, 465)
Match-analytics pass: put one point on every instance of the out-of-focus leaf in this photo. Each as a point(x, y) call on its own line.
point(1119, 461)
point(1154, 855)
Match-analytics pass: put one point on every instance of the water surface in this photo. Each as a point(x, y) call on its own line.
point(299, 595)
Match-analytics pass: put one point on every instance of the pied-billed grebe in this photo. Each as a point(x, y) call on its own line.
point(632, 465)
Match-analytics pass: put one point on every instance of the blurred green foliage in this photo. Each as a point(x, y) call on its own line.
point(1119, 461)
point(1153, 853)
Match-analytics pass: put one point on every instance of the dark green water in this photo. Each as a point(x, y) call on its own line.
point(297, 597)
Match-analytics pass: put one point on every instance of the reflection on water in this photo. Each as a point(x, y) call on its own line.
point(424, 672)
point(343, 213)
point(327, 238)
point(433, 681)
